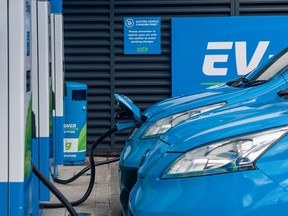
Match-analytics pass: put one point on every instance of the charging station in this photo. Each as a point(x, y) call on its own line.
point(35, 108)
point(57, 49)
point(16, 109)
point(41, 77)
point(75, 127)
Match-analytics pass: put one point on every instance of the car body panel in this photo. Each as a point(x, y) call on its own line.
point(197, 99)
point(246, 193)
point(217, 126)
point(261, 191)
point(222, 125)
point(127, 157)
point(212, 95)
point(274, 163)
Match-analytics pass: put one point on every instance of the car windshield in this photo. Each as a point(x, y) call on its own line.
point(264, 73)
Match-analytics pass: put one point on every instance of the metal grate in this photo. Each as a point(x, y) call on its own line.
point(266, 7)
point(87, 58)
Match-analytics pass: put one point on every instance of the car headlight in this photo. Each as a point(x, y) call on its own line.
point(163, 125)
point(230, 155)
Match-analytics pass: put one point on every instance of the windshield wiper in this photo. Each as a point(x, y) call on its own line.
point(255, 82)
point(232, 82)
point(235, 83)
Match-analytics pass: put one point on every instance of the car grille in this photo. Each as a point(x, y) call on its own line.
point(128, 178)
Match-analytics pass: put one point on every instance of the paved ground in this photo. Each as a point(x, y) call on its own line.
point(104, 199)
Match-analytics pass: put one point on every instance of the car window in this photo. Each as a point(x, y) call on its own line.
point(266, 72)
point(272, 70)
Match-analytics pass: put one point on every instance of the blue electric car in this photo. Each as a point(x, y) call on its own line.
point(233, 162)
point(259, 86)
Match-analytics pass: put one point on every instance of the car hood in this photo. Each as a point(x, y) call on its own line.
point(204, 97)
point(228, 123)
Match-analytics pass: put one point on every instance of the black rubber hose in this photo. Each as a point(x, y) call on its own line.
point(79, 174)
point(54, 190)
point(92, 178)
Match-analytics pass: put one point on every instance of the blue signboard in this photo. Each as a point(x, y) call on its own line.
point(142, 35)
point(207, 51)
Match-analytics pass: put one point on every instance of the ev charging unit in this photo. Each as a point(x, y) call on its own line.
point(57, 80)
point(42, 103)
point(16, 108)
point(75, 126)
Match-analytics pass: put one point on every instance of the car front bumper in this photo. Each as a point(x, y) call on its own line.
point(246, 193)
point(128, 178)
point(130, 159)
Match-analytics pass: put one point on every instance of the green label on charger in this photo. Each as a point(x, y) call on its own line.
point(28, 140)
point(75, 144)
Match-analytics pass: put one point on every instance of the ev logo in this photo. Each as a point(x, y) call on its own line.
point(240, 54)
point(129, 23)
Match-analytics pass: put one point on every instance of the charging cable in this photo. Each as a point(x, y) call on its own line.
point(92, 167)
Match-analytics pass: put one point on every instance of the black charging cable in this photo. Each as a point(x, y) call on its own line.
point(83, 171)
point(54, 190)
point(92, 167)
